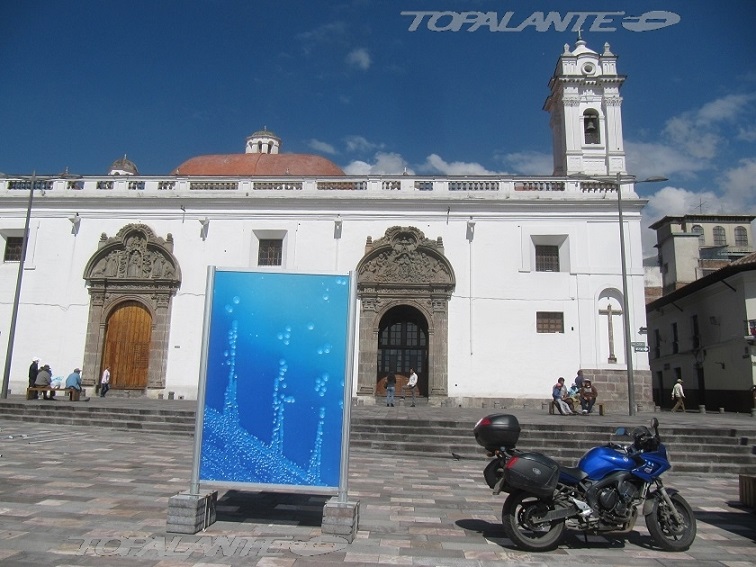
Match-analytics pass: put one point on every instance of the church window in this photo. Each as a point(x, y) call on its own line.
point(549, 322)
point(719, 236)
point(698, 229)
point(591, 127)
point(549, 253)
point(741, 237)
point(547, 258)
point(13, 245)
point(270, 252)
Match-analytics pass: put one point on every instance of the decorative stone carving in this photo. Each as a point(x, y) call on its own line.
point(135, 264)
point(404, 268)
point(404, 257)
point(134, 253)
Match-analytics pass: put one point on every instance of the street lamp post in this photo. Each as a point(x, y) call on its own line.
point(17, 296)
point(20, 276)
point(625, 287)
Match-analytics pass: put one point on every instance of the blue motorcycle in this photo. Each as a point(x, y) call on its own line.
point(607, 490)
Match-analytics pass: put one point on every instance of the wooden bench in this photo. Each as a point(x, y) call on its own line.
point(73, 395)
point(553, 409)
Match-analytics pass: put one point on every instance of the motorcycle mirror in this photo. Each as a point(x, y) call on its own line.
point(621, 431)
point(655, 425)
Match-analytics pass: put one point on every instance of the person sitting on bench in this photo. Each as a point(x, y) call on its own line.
point(43, 380)
point(558, 393)
point(74, 382)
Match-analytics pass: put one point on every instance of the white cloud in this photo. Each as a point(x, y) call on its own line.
point(359, 144)
point(385, 163)
point(359, 58)
point(322, 147)
point(701, 133)
point(725, 109)
point(529, 163)
point(324, 34)
point(647, 159)
point(739, 185)
point(436, 165)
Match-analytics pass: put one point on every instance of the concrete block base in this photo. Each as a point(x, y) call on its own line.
point(747, 489)
point(191, 513)
point(341, 518)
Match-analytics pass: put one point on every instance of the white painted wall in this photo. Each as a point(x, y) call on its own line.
point(494, 350)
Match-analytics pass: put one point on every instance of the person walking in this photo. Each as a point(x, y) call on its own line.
point(412, 385)
point(678, 396)
point(390, 389)
point(105, 382)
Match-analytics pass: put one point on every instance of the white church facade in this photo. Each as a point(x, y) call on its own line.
point(490, 287)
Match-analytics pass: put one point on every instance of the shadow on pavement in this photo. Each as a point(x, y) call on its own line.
point(271, 508)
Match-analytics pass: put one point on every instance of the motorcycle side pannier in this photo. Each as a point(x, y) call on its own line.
point(496, 431)
point(534, 473)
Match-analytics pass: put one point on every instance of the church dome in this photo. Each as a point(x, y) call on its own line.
point(123, 166)
point(261, 159)
point(259, 165)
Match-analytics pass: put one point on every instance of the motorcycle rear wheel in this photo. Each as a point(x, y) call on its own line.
point(665, 531)
point(516, 515)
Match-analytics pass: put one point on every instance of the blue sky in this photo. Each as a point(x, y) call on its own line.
point(85, 82)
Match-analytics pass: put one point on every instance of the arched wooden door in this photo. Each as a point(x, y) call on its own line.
point(127, 346)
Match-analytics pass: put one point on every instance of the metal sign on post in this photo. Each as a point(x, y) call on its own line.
point(275, 386)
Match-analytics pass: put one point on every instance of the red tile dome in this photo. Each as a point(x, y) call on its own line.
point(259, 165)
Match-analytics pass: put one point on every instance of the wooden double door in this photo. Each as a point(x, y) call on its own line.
point(128, 337)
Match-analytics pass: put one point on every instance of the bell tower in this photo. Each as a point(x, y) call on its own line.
point(586, 112)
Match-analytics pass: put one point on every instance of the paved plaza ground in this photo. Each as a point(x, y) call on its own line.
point(89, 496)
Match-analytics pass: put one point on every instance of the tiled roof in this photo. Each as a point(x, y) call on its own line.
point(750, 259)
point(259, 165)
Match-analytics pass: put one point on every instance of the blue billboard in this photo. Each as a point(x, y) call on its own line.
point(271, 403)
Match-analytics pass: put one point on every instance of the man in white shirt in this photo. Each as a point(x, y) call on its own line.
point(678, 396)
point(412, 385)
point(105, 382)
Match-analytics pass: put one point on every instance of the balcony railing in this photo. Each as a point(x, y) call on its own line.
point(486, 187)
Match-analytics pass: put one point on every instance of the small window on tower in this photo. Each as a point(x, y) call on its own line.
point(591, 127)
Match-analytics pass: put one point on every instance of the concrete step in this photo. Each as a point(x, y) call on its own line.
point(691, 448)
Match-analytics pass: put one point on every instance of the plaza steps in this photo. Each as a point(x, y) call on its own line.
point(439, 433)
point(690, 449)
point(171, 420)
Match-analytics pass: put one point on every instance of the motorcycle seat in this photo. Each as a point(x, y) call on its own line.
point(573, 472)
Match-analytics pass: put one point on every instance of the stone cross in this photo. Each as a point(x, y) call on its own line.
point(609, 312)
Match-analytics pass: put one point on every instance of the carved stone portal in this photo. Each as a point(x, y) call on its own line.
point(404, 268)
point(134, 265)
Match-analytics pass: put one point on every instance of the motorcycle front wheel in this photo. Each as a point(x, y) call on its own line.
point(519, 517)
point(665, 531)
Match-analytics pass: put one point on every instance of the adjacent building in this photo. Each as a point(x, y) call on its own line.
point(703, 326)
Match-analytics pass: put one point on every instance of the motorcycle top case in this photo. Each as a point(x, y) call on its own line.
point(534, 473)
point(496, 431)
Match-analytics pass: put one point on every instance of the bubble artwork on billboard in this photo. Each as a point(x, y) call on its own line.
point(274, 391)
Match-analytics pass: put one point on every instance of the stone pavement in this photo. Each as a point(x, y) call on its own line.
point(88, 496)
